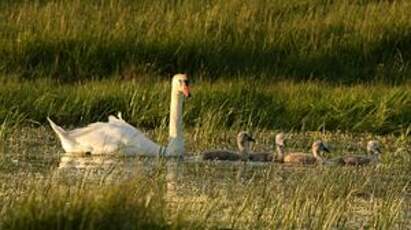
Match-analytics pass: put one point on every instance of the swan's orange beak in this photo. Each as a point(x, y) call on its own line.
point(186, 90)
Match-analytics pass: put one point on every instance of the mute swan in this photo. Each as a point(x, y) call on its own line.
point(243, 143)
point(302, 158)
point(117, 136)
point(373, 149)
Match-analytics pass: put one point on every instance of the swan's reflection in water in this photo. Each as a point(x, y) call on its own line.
point(74, 162)
point(185, 180)
point(103, 168)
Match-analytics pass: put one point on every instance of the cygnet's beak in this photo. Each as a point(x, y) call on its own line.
point(250, 139)
point(378, 150)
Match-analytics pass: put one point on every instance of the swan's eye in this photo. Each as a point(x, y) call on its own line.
point(183, 82)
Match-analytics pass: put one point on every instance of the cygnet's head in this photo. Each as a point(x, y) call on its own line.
point(373, 147)
point(244, 139)
point(280, 140)
point(318, 147)
point(180, 82)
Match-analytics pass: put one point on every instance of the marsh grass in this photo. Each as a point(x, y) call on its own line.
point(309, 199)
point(344, 41)
point(284, 105)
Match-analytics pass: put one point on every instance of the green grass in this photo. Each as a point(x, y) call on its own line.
point(240, 104)
point(344, 41)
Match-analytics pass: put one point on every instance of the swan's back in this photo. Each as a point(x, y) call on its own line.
point(223, 155)
point(301, 158)
point(106, 138)
point(103, 138)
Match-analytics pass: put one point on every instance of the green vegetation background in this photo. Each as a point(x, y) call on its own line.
point(295, 64)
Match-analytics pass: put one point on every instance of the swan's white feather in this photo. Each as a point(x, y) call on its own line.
point(107, 138)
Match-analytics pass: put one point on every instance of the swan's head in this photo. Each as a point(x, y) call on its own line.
point(373, 147)
point(280, 140)
point(180, 82)
point(318, 147)
point(244, 139)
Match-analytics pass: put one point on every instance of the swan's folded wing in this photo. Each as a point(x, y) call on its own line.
point(112, 137)
point(96, 137)
point(134, 140)
point(119, 121)
point(114, 119)
point(91, 128)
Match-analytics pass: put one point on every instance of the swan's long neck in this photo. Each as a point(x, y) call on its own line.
point(244, 151)
point(176, 135)
point(375, 156)
point(280, 152)
point(317, 155)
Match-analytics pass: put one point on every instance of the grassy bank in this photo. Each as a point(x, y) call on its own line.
point(240, 104)
point(345, 41)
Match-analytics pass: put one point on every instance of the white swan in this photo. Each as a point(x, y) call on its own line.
point(117, 136)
